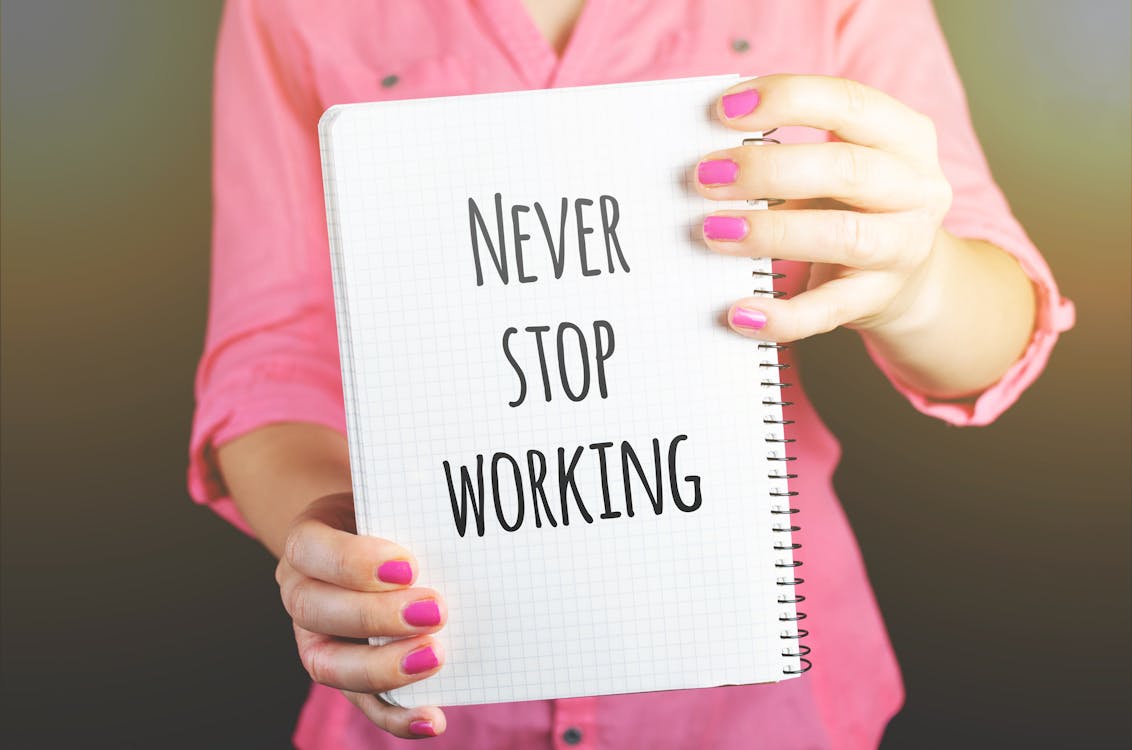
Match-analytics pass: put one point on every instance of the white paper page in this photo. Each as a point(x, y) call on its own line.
point(680, 599)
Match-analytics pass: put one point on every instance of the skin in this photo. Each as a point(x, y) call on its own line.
point(865, 211)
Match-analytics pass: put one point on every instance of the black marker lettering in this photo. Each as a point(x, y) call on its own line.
point(628, 455)
point(538, 331)
point(600, 448)
point(475, 218)
point(519, 237)
point(583, 230)
point(601, 353)
point(583, 351)
point(566, 480)
point(538, 494)
point(518, 370)
point(460, 514)
point(557, 259)
point(609, 220)
point(519, 501)
point(694, 480)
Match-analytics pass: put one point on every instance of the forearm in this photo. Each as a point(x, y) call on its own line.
point(274, 472)
point(964, 326)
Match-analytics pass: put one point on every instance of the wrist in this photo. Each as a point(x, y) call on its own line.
point(274, 472)
point(924, 300)
point(963, 323)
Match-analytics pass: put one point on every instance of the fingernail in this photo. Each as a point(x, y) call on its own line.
point(745, 318)
point(421, 660)
point(740, 103)
point(422, 728)
point(725, 227)
point(717, 172)
point(422, 614)
point(395, 571)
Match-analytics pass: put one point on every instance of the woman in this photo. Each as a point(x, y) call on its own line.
point(895, 221)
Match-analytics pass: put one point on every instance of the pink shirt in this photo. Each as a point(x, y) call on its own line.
point(271, 353)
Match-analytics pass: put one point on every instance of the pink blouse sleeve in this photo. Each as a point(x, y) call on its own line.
point(897, 46)
point(270, 352)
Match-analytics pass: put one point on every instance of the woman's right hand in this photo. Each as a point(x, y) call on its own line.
point(340, 588)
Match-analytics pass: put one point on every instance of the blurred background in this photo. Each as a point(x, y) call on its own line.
point(131, 617)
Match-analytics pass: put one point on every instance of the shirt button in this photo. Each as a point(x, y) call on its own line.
point(572, 736)
point(390, 81)
point(740, 45)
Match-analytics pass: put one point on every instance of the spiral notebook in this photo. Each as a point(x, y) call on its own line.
point(543, 400)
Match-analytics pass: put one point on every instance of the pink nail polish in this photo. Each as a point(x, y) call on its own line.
point(421, 660)
point(717, 172)
point(422, 728)
point(422, 614)
point(745, 318)
point(740, 103)
point(725, 228)
point(395, 571)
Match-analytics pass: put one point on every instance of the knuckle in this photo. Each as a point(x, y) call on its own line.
point(341, 559)
point(285, 596)
point(767, 169)
point(824, 319)
point(279, 571)
point(855, 236)
point(299, 604)
point(295, 543)
point(788, 324)
point(317, 666)
point(379, 675)
point(856, 97)
point(779, 230)
point(833, 316)
point(372, 619)
point(814, 318)
point(796, 331)
point(768, 232)
point(787, 333)
point(852, 166)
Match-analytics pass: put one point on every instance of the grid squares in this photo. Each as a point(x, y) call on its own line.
point(652, 602)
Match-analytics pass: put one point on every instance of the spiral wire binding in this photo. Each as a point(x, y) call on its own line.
point(780, 445)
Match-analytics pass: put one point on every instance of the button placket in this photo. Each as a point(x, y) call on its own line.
point(573, 725)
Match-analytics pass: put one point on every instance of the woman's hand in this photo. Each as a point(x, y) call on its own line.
point(339, 588)
point(872, 248)
point(866, 212)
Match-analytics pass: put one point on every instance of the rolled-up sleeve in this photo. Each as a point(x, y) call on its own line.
point(898, 47)
point(270, 352)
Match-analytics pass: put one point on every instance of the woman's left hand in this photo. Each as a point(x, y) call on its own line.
point(882, 192)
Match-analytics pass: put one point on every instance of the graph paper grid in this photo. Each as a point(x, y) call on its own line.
point(679, 599)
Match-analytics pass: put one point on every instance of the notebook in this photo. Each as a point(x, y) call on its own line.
point(544, 403)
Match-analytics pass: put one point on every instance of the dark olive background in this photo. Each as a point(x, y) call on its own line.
point(132, 618)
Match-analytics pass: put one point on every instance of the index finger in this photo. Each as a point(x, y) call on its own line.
point(852, 111)
point(319, 545)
